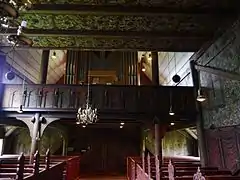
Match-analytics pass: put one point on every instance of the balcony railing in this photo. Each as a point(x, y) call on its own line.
point(107, 99)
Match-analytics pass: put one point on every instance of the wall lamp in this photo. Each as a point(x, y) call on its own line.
point(212, 70)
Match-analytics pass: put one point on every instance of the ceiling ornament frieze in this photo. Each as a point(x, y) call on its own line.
point(101, 43)
point(119, 23)
point(162, 3)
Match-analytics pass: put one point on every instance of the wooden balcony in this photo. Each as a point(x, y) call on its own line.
point(128, 102)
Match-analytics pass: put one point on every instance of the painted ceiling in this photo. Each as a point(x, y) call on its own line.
point(163, 25)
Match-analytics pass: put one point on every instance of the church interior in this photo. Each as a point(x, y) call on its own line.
point(120, 89)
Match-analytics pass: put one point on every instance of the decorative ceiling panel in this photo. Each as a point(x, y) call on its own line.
point(162, 3)
point(164, 23)
point(101, 43)
point(126, 24)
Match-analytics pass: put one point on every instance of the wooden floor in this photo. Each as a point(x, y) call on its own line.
point(104, 178)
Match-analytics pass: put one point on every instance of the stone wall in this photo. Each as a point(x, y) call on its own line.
point(222, 107)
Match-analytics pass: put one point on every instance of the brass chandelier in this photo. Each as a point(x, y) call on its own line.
point(88, 114)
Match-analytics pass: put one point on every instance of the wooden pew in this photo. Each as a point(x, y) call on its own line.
point(15, 168)
point(184, 170)
point(44, 167)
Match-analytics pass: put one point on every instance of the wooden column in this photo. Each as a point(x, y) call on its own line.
point(199, 123)
point(44, 67)
point(155, 69)
point(35, 136)
point(64, 148)
point(158, 150)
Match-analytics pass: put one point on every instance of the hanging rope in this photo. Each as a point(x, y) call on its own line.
point(88, 85)
point(175, 62)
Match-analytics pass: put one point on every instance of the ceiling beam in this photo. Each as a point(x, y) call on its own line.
point(111, 34)
point(127, 10)
point(189, 131)
point(219, 72)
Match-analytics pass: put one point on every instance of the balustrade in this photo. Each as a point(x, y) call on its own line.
point(121, 99)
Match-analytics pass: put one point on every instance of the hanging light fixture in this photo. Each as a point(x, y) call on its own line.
point(54, 56)
point(142, 61)
point(176, 78)
point(87, 115)
point(150, 57)
point(10, 75)
point(200, 96)
point(171, 113)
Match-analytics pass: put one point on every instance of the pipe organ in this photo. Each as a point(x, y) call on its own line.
point(101, 67)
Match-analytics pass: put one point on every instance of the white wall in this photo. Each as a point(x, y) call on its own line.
point(171, 63)
point(27, 64)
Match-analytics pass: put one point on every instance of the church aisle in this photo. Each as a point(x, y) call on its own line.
point(104, 178)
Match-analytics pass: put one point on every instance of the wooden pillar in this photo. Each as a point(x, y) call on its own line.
point(199, 123)
point(155, 69)
point(64, 148)
point(44, 67)
point(160, 131)
point(35, 136)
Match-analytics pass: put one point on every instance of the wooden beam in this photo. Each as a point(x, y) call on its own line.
point(127, 10)
point(109, 34)
point(189, 131)
point(218, 72)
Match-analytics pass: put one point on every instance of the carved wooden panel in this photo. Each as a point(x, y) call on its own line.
point(121, 99)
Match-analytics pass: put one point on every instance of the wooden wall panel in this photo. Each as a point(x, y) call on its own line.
point(107, 148)
point(223, 147)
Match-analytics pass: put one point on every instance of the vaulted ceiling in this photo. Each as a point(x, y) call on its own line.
point(163, 25)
